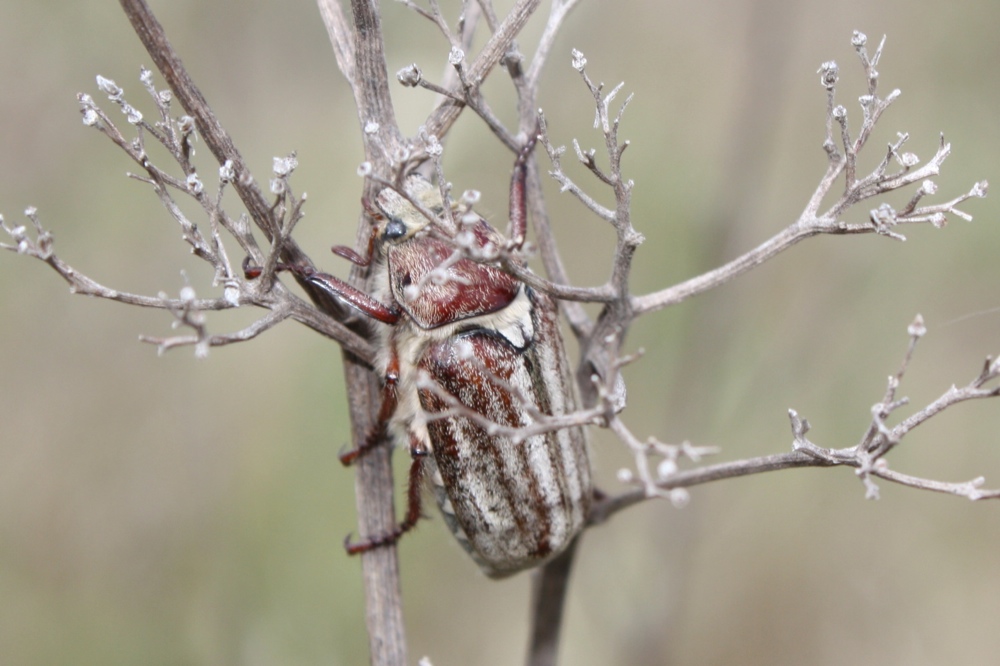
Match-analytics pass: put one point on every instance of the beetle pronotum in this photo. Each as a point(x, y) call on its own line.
point(463, 345)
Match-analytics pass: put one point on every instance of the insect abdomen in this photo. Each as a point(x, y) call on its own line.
point(513, 503)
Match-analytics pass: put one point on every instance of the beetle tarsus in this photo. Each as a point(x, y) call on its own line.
point(347, 253)
point(253, 271)
point(414, 512)
point(350, 456)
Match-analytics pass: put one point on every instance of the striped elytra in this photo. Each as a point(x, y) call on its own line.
point(512, 503)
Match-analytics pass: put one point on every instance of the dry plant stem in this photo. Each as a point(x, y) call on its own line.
point(374, 477)
point(283, 304)
point(606, 508)
point(367, 76)
point(600, 342)
point(558, 284)
point(153, 37)
point(338, 29)
point(527, 86)
point(557, 14)
point(444, 116)
point(866, 457)
point(842, 161)
point(274, 318)
point(548, 599)
point(360, 56)
point(812, 224)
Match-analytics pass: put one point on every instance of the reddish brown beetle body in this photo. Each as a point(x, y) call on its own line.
point(469, 355)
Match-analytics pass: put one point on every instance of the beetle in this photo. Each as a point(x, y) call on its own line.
point(468, 355)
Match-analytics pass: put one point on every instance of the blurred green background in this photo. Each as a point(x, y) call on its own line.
point(165, 510)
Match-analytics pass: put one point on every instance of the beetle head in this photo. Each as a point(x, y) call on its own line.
point(402, 219)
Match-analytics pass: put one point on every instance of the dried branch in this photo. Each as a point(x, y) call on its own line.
point(548, 595)
point(447, 111)
point(176, 135)
point(842, 160)
point(867, 457)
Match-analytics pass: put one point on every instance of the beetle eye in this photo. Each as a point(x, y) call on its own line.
point(394, 229)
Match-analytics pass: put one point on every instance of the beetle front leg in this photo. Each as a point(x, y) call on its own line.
point(334, 286)
point(349, 253)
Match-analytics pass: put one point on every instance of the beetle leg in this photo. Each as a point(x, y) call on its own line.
point(519, 194)
point(335, 287)
point(385, 412)
point(418, 452)
point(352, 296)
point(350, 254)
point(252, 272)
point(371, 441)
point(414, 502)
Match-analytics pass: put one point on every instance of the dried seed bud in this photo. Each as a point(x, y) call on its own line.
point(284, 166)
point(490, 251)
point(132, 114)
point(401, 155)
point(194, 184)
point(109, 87)
point(232, 294)
point(666, 468)
point(917, 329)
point(579, 62)
point(433, 146)
point(226, 172)
point(680, 497)
point(456, 56)
point(410, 76)
point(859, 39)
point(829, 73)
